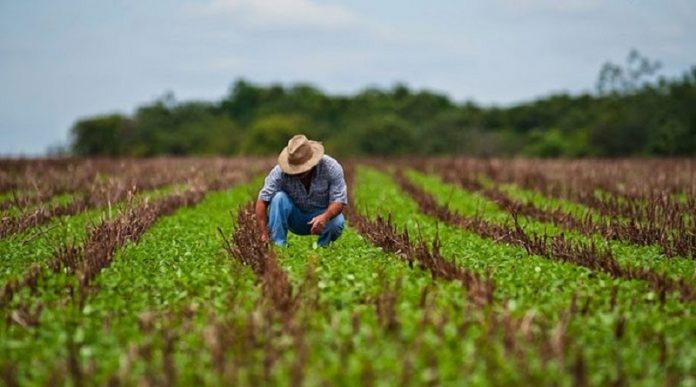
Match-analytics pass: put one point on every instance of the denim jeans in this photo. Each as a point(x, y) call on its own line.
point(283, 215)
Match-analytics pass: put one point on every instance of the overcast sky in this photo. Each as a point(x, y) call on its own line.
point(65, 59)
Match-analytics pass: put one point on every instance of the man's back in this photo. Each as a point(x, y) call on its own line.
point(327, 186)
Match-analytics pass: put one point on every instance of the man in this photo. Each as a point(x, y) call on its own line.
point(305, 193)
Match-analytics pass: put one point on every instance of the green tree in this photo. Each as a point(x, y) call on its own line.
point(630, 114)
point(242, 102)
point(549, 143)
point(101, 135)
point(268, 135)
point(385, 136)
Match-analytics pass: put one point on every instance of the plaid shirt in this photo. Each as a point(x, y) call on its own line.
point(328, 186)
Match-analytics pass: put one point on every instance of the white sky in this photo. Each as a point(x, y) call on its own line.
point(65, 59)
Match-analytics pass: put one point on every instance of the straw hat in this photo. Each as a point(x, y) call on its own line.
point(300, 155)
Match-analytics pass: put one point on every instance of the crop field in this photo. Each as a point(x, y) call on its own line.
point(451, 271)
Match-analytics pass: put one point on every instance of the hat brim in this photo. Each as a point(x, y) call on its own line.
point(294, 169)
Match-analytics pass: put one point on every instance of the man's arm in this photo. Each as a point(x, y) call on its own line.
point(333, 210)
point(320, 220)
point(261, 221)
point(271, 185)
point(338, 197)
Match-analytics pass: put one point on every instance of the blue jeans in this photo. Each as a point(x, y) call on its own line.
point(283, 215)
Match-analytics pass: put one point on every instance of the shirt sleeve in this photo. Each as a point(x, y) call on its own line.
point(338, 192)
point(271, 184)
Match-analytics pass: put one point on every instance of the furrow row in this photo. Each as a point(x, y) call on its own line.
point(671, 231)
point(586, 254)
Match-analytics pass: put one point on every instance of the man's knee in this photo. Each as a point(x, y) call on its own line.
point(336, 224)
point(281, 201)
point(280, 208)
point(280, 197)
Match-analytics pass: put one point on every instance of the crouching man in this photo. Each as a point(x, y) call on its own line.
point(305, 193)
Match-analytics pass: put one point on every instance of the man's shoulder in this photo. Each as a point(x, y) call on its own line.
point(276, 172)
point(331, 164)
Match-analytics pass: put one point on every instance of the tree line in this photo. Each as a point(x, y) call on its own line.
point(632, 112)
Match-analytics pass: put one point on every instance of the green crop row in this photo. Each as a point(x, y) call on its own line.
point(177, 268)
point(545, 286)
point(174, 308)
point(176, 265)
point(467, 203)
point(377, 318)
point(38, 244)
point(58, 200)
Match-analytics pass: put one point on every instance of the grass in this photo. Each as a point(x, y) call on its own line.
point(178, 263)
point(461, 201)
point(545, 286)
point(175, 309)
point(37, 245)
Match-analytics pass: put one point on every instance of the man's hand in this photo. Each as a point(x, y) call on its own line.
point(261, 223)
point(318, 223)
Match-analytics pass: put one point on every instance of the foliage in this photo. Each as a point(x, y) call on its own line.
point(100, 135)
point(529, 281)
point(270, 133)
point(403, 296)
point(633, 112)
